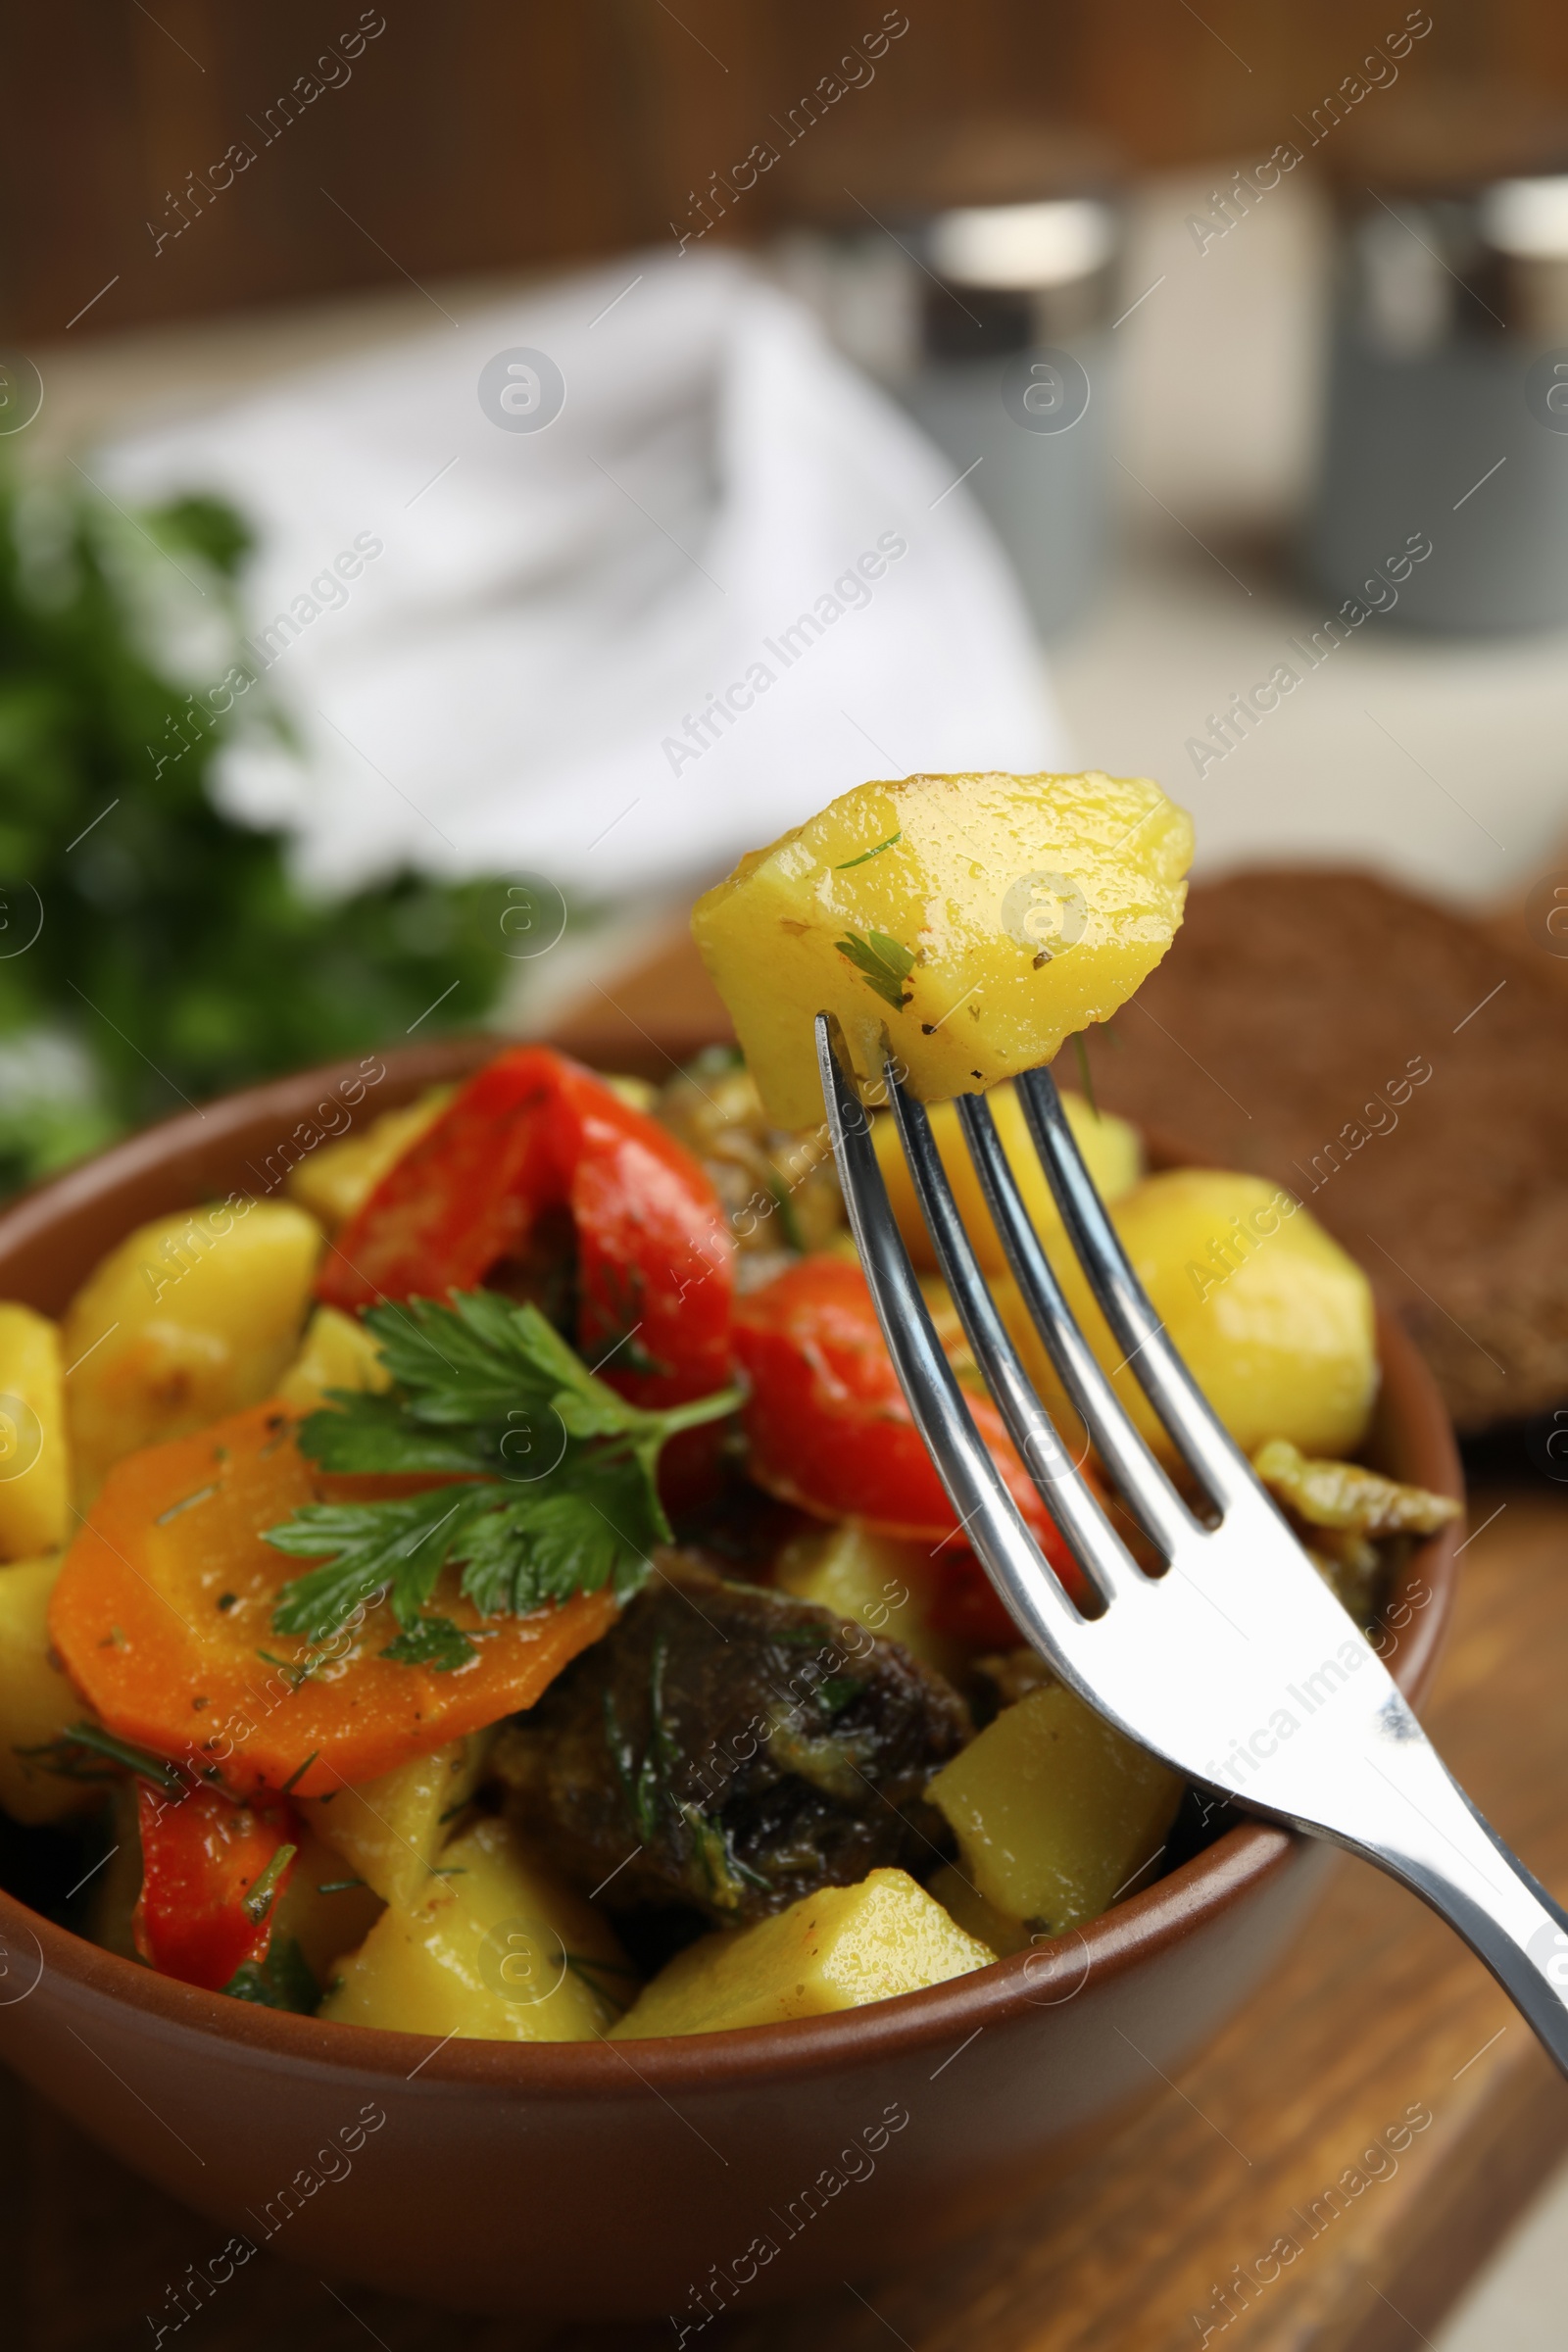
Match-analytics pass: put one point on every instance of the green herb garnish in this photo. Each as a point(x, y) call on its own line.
point(471, 1379)
point(645, 1780)
point(186, 1503)
point(433, 1642)
point(259, 1902)
point(865, 856)
point(789, 1224)
point(882, 962)
point(725, 1875)
point(588, 1970)
point(285, 1980)
point(295, 1673)
point(64, 1756)
point(1085, 1076)
point(179, 956)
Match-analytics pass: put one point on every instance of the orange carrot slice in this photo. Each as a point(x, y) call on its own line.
point(162, 1617)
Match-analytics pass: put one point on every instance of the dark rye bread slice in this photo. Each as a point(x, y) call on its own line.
point(1405, 1074)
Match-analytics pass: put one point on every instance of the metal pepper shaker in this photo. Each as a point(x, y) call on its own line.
point(977, 279)
point(1447, 414)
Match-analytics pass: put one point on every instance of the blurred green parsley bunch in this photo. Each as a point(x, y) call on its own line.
point(153, 952)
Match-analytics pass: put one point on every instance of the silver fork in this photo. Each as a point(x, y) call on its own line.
point(1236, 1665)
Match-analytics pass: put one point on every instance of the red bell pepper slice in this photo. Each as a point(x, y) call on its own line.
point(210, 1879)
point(966, 1605)
point(533, 1133)
point(828, 1430)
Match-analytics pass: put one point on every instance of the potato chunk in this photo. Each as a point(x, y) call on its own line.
point(497, 1950)
point(877, 1582)
point(836, 1949)
point(324, 1925)
point(336, 1352)
point(337, 1177)
point(1274, 1320)
point(973, 921)
point(389, 1831)
point(190, 1318)
point(34, 1473)
point(1113, 1150)
point(37, 1703)
point(1055, 1811)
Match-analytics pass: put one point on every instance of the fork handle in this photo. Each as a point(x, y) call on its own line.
point(1433, 1840)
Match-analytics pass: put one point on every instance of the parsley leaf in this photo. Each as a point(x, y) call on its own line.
point(882, 961)
point(184, 921)
point(433, 1642)
point(398, 1546)
point(546, 1546)
point(368, 1433)
point(468, 1363)
point(558, 1491)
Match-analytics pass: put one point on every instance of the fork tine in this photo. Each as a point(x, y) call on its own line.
point(1154, 1502)
point(1095, 1544)
point(1199, 1437)
point(987, 1512)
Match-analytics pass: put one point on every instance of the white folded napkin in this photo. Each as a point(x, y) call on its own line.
point(728, 580)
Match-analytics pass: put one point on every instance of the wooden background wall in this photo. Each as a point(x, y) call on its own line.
point(491, 134)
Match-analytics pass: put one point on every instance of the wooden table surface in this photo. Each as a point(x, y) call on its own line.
point(1377, 2014)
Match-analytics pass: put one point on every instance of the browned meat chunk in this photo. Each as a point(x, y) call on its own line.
point(732, 1750)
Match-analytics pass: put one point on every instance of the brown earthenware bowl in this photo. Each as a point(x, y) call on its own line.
point(674, 2177)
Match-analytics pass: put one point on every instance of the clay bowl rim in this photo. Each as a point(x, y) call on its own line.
point(1131, 1933)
